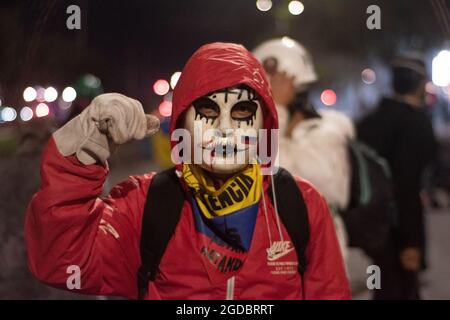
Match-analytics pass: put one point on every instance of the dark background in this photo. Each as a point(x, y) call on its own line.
point(130, 44)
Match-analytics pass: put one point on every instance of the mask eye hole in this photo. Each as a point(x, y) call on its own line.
point(244, 110)
point(206, 108)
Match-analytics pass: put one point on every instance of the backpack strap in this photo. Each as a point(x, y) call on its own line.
point(162, 211)
point(293, 213)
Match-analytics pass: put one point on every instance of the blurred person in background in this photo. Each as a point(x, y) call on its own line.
point(312, 144)
point(400, 131)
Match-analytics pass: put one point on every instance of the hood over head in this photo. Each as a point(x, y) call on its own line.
point(217, 66)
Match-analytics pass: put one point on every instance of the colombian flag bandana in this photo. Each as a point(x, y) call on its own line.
point(224, 218)
point(240, 191)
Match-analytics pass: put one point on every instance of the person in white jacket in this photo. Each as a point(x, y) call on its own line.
point(312, 144)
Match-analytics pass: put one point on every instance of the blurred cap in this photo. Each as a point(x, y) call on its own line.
point(414, 61)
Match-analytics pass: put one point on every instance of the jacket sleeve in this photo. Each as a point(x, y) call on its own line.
point(325, 276)
point(68, 226)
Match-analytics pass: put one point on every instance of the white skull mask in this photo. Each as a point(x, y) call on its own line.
point(227, 124)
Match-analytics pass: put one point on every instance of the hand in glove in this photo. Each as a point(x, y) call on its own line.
point(111, 119)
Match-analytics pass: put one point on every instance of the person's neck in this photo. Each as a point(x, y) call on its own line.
point(410, 99)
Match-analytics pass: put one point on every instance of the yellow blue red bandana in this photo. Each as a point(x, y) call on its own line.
point(225, 218)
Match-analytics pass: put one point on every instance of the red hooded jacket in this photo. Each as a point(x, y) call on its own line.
point(68, 224)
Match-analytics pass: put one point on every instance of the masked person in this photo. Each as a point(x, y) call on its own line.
point(400, 131)
point(225, 241)
point(313, 144)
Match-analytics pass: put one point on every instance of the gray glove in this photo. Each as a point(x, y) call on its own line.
point(111, 119)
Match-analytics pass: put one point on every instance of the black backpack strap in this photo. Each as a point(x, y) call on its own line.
point(162, 211)
point(293, 213)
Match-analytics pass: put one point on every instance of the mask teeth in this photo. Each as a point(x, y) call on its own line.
point(222, 143)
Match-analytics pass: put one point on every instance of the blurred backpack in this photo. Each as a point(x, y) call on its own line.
point(370, 215)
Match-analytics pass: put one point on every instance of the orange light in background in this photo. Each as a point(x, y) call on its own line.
point(165, 108)
point(42, 110)
point(328, 97)
point(161, 87)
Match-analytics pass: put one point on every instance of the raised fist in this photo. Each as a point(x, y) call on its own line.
point(111, 119)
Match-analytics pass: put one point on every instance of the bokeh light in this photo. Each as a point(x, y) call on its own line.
point(8, 114)
point(165, 108)
point(50, 94)
point(368, 76)
point(26, 114)
point(441, 69)
point(296, 7)
point(174, 79)
point(328, 97)
point(29, 94)
point(40, 94)
point(42, 110)
point(264, 5)
point(69, 94)
point(92, 81)
point(161, 87)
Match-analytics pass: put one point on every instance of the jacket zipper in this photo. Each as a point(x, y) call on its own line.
point(230, 289)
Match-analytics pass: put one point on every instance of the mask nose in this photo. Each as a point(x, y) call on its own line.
point(225, 125)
